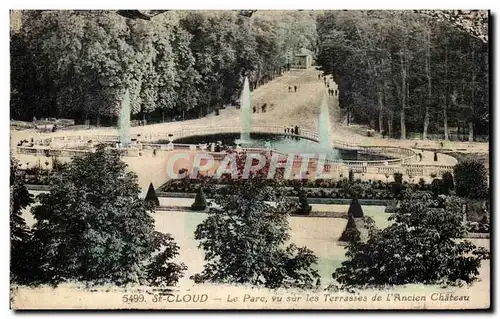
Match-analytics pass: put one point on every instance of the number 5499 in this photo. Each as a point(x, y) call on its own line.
point(133, 298)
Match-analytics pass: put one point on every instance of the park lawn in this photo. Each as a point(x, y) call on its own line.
point(318, 234)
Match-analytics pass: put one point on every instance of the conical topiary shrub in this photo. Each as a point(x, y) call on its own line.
point(151, 196)
point(351, 232)
point(200, 201)
point(355, 209)
point(304, 207)
point(448, 183)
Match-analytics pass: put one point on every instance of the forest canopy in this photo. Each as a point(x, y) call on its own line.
point(404, 71)
point(401, 72)
point(180, 64)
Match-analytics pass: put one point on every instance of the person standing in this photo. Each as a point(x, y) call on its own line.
point(295, 88)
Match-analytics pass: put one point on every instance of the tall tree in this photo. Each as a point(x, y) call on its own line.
point(20, 198)
point(107, 235)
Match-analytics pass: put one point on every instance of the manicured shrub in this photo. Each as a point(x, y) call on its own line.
point(200, 201)
point(355, 209)
point(397, 186)
point(151, 196)
point(448, 183)
point(351, 232)
point(304, 207)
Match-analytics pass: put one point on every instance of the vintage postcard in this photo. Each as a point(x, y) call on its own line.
point(249, 159)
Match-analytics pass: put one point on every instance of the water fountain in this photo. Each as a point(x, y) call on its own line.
point(324, 131)
point(124, 121)
point(324, 125)
point(246, 113)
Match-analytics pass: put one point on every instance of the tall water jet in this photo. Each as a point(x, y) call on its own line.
point(324, 132)
point(246, 112)
point(324, 125)
point(124, 121)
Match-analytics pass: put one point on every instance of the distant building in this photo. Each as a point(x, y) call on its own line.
point(303, 59)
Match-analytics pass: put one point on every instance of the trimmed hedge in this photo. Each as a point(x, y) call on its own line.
point(200, 201)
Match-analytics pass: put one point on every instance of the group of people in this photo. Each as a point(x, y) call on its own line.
point(294, 88)
point(292, 130)
point(333, 92)
point(263, 108)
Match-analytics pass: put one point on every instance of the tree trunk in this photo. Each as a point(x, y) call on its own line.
point(473, 99)
point(390, 122)
point(380, 111)
point(429, 85)
point(445, 104)
point(471, 132)
point(445, 117)
point(404, 92)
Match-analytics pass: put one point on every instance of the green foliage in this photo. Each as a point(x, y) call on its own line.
point(351, 232)
point(355, 209)
point(421, 183)
point(19, 230)
point(448, 183)
point(161, 271)
point(398, 178)
point(420, 246)
point(398, 70)
point(93, 227)
point(471, 179)
point(437, 187)
point(304, 207)
point(351, 176)
point(151, 196)
point(397, 186)
point(200, 201)
point(181, 64)
point(392, 207)
point(244, 238)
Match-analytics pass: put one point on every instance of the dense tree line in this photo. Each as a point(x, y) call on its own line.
point(78, 64)
point(401, 71)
